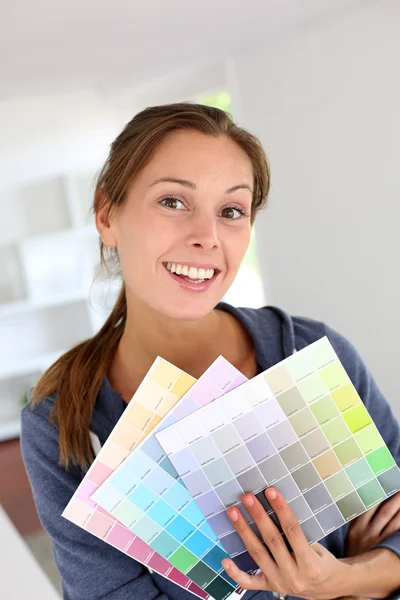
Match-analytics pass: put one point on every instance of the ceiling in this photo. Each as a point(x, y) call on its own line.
point(48, 45)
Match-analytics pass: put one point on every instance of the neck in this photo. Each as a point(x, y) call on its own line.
point(190, 345)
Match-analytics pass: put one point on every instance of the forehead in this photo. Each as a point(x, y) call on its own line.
point(191, 153)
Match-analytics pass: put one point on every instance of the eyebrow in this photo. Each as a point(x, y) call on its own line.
point(192, 186)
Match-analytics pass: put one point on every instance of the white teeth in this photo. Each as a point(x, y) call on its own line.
point(191, 272)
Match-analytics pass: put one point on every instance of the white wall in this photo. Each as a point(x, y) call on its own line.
point(325, 102)
point(45, 136)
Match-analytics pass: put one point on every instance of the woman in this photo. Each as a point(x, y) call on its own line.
point(174, 204)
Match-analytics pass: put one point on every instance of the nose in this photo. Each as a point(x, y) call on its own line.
point(203, 232)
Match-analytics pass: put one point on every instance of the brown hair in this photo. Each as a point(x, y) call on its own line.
point(76, 377)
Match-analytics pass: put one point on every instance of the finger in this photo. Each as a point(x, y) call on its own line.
point(271, 536)
point(303, 553)
point(386, 512)
point(254, 546)
point(392, 527)
point(246, 581)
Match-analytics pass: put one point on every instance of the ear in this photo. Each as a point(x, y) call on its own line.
point(105, 227)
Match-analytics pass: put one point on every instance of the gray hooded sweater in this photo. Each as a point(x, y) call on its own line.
point(92, 569)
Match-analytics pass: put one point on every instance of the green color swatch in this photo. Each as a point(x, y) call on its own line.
point(339, 485)
point(369, 439)
point(336, 431)
point(347, 452)
point(346, 397)
point(371, 493)
point(334, 376)
point(380, 460)
point(183, 560)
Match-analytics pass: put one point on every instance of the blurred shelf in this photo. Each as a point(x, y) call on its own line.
point(34, 364)
point(22, 306)
point(10, 430)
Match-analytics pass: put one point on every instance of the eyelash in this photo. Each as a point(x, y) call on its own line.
point(240, 209)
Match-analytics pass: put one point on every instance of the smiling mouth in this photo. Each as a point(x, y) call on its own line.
point(191, 274)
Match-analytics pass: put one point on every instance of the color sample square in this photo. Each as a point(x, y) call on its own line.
point(214, 557)
point(217, 472)
point(350, 506)
point(248, 426)
point(318, 498)
point(233, 543)
point(357, 418)
point(348, 452)
point(252, 480)
point(390, 480)
point(330, 518)
point(229, 493)
point(197, 483)
point(270, 413)
point(303, 422)
point(220, 524)
point(369, 439)
point(346, 397)
point(380, 460)
point(306, 477)
point(278, 379)
point(128, 513)
point(162, 513)
point(327, 464)
point(291, 401)
point(205, 450)
point(273, 469)
point(239, 460)
point(282, 435)
point(183, 560)
point(360, 472)
point(261, 447)
point(202, 574)
point(192, 513)
point(227, 439)
point(321, 353)
point(300, 508)
point(180, 529)
point(294, 456)
point(300, 366)
point(313, 388)
point(185, 463)
point(143, 498)
point(209, 504)
point(334, 376)
point(287, 488)
point(165, 544)
point(324, 410)
point(371, 493)
point(339, 485)
point(312, 530)
point(219, 588)
point(198, 544)
point(336, 431)
point(146, 529)
point(315, 443)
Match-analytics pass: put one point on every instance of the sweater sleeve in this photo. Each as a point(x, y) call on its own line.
point(89, 567)
point(377, 406)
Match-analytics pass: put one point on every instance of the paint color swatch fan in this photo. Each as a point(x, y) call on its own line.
point(300, 426)
point(119, 514)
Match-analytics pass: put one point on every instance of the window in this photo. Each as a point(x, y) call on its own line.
point(247, 289)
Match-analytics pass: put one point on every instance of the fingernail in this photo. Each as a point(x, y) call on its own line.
point(226, 565)
point(271, 494)
point(248, 500)
point(233, 515)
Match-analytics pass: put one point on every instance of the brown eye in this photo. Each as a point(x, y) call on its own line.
point(170, 202)
point(229, 213)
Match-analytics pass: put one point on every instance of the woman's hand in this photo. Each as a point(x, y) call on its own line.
point(370, 528)
point(308, 572)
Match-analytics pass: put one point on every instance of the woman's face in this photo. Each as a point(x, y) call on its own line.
point(187, 211)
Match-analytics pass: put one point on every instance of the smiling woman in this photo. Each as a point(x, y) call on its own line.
point(174, 206)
